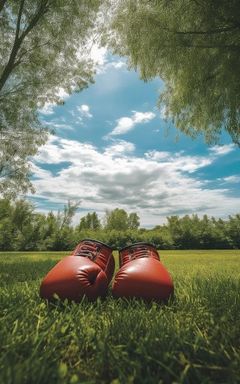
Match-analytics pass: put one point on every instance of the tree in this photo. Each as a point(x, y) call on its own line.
point(90, 221)
point(44, 46)
point(116, 219)
point(119, 220)
point(22, 213)
point(133, 220)
point(233, 231)
point(69, 211)
point(184, 231)
point(18, 225)
point(56, 231)
point(15, 151)
point(6, 225)
point(194, 46)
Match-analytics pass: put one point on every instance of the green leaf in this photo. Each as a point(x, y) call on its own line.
point(62, 370)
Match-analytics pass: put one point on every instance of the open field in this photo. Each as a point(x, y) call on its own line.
point(193, 339)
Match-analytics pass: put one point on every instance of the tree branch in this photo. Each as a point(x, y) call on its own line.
point(209, 32)
point(26, 51)
point(210, 46)
point(11, 172)
point(204, 46)
point(16, 45)
point(2, 3)
point(19, 39)
point(19, 21)
point(225, 29)
point(41, 11)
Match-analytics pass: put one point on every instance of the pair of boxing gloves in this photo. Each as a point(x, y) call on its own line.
point(88, 272)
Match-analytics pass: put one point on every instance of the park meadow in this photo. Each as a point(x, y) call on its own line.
point(194, 338)
point(120, 123)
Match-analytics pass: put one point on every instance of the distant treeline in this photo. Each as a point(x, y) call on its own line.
point(24, 229)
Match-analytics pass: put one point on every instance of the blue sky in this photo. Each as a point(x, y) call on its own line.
point(113, 148)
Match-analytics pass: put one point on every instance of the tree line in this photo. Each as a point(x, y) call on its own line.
point(24, 229)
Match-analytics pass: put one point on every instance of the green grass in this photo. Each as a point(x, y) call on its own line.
point(194, 339)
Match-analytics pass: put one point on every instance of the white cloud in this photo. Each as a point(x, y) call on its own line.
point(102, 59)
point(220, 150)
point(98, 54)
point(111, 65)
point(182, 162)
point(118, 64)
point(126, 124)
point(156, 155)
point(57, 125)
point(84, 110)
point(39, 172)
point(62, 93)
point(47, 109)
point(156, 185)
point(120, 147)
point(231, 179)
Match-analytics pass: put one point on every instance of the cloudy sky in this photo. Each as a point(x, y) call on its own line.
point(113, 148)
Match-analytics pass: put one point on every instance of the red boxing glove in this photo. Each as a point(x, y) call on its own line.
point(87, 271)
point(141, 274)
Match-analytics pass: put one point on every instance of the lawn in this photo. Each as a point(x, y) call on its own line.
point(194, 339)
